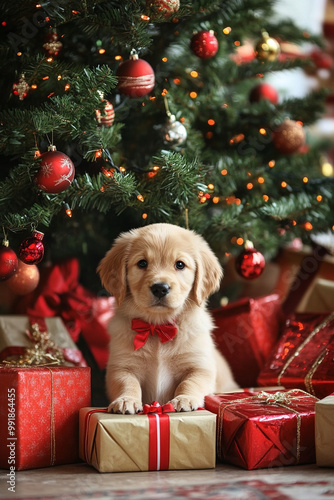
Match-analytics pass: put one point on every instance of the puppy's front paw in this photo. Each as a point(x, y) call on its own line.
point(125, 406)
point(186, 403)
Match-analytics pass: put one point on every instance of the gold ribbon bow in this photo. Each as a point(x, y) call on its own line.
point(44, 351)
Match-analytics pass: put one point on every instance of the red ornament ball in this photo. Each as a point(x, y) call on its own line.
point(8, 261)
point(165, 8)
point(25, 280)
point(250, 263)
point(135, 77)
point(56, 172)
point(289, 137)
point(107, 117)
point(204, 44)
point(263, 91)
point(321, 59)
point(31, 250)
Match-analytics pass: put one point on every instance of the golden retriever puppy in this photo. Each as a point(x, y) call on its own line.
point(161, 347)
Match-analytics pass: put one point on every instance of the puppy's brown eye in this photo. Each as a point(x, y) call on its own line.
point(179, 265)
point(142, 264)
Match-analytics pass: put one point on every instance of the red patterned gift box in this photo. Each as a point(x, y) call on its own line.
point(246, 333)
point(151, 441)
point(267, 429)
point(39, 415)
point(303, 357)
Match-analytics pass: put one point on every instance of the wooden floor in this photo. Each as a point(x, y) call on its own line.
point(80, 481)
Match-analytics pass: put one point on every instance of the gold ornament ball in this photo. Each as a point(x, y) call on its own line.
point(267, 49)
point(289, 137)
point(25, 280)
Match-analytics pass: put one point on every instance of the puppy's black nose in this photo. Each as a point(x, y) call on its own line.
point(160, 289)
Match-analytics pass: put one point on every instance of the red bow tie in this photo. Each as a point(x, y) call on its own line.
point(165, 332)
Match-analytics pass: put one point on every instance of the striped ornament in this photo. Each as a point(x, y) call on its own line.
point(108, 116)
point(135, 77)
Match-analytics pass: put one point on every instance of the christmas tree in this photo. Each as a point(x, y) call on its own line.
point(120, 114)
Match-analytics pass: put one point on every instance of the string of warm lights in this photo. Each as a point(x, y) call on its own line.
point(255, 181)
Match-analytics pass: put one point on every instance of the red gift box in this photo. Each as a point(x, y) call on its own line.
point(39, 415)
point(267, 429)
point(246, 334)
point(303, 357)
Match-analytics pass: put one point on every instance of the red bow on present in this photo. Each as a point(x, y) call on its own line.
point(156, 407)
point(165, 332)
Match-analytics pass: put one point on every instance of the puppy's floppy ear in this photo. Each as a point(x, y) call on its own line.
point(208, 273)
point(112, 268)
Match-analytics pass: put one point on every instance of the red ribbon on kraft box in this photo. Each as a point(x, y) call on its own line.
point(159, 433)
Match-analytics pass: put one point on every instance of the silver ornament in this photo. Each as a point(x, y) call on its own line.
point(174, 133)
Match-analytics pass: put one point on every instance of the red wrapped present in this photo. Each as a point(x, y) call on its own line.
point(303, 357)
point(16, 337)
point(39, 415)
point(267, 429)
point(158, 439)
point(246, 333)
point(59, 293)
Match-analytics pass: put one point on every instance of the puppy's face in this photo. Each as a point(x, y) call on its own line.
point(160, 272)
point(159, 268)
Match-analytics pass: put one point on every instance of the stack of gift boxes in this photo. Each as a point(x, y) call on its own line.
point(282, 415)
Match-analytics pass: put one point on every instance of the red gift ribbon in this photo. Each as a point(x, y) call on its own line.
point(87, 419)
point(159, 435)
